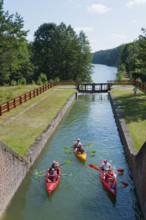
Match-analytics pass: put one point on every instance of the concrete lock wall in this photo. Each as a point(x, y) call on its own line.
point(136, 159)
point(14, 168)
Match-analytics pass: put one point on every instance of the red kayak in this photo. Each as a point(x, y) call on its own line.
point(51, 184)
point(109, 180)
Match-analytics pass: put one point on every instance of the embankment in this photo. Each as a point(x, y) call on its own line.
point(136, 159)
point(14, 168)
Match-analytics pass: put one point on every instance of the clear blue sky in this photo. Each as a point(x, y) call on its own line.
point(106, 23)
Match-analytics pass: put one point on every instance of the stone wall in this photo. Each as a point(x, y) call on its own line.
point(136, 159)
point(14, 168)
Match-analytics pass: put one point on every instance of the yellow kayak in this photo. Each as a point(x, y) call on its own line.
point(81, 156)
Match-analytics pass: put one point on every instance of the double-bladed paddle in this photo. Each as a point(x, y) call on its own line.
point(97, 168)
point(42, 172)
point(84, 145)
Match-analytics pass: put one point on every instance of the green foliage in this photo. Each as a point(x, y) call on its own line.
point(13, 82)
point(57, 79)
point(132, 56)
point(42, 79)
point(108, 57)
point(59, 52)
point(22, 81)
point(121, 72)
point(14, 55)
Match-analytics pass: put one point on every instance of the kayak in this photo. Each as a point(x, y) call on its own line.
point(51, 185)
point(109, 180)
point(81, 156)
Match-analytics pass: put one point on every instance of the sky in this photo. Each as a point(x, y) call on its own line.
point(106, 23)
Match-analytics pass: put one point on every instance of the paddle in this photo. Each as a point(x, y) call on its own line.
point(42, 172)
point(92, 152)
point(68, 147)
point(63, 174)
point(120, 170)
point(97, 168)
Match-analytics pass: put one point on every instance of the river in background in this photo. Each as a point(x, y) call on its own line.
point(103, 73)
point(82, 195)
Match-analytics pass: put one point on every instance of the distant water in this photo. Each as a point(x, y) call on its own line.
point(103, 73)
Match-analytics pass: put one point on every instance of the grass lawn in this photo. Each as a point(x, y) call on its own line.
point(20, 127)
point(10, 92)
point(133, 109)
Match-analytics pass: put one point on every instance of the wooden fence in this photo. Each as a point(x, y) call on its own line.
point(141, 86)
point(7, 106)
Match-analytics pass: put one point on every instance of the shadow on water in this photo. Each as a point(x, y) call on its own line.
point(111, 197)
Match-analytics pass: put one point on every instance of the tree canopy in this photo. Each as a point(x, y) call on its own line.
point(130, 58)
point(56, 52)
point(59, 52)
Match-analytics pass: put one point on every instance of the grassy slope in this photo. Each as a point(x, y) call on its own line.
point(26, 122)
point(10, 92)
point(133, 110)
point(20, 126)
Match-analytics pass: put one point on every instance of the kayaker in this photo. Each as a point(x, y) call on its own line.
point(80, 150)
point(56, 167)
point(105, 166)
point(52, 175)
point(78, 146)
point(109, 177)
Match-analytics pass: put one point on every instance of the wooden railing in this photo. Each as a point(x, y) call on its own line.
point(120, 82)
point(7, 106)
point(140, 85)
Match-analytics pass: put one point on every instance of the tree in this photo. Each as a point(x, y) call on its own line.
point(60, 53)
point(14, 55)
point(43, 54)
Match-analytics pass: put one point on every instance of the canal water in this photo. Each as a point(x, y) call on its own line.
point(80, 194)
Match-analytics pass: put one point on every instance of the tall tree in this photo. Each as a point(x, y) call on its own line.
point(14, 54)
point(43, 49)
point(56, 52)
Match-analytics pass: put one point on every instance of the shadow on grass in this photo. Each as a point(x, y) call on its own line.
point(133, 108)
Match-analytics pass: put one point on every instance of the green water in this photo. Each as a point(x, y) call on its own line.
point(82, 195)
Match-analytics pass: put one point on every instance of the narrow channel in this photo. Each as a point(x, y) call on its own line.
point(80, 196)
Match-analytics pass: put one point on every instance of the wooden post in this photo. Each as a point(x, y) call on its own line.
point(14, 103)
point(29, 95)
point(0, 110)
point(8, 106)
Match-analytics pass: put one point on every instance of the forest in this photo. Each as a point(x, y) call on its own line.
point(56, 53)
point(130, 58)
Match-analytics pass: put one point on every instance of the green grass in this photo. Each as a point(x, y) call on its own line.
point(20, 127)
point(133, 109)
point(10, 92)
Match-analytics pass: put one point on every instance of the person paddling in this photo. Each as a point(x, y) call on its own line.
point(54, 171)
point(105, 166)
point(78, 146)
